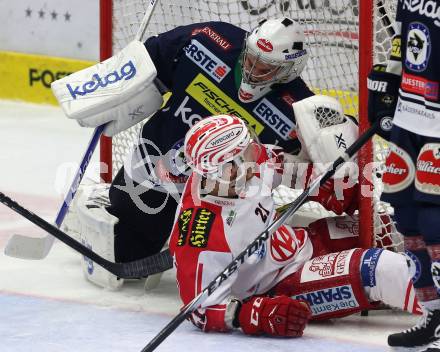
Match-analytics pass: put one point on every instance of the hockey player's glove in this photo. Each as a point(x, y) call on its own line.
point(278, 316)
point(383, 88)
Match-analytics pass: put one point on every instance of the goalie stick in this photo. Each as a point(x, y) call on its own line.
point(130, 270)
point(25, 247)
point(259, 240)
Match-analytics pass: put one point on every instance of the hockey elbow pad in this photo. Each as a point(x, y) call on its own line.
point(383, 88)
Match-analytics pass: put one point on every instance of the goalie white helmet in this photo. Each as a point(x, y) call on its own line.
point(274, 53)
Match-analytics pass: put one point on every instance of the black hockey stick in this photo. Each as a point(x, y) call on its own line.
point(255, 245)
point(130, 270)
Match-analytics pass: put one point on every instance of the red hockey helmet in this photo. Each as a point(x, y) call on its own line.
point(215, 141)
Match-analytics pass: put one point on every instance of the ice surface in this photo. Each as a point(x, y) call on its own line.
point(47, 306)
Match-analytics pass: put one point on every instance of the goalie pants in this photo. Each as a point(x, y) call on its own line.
point(139, 234)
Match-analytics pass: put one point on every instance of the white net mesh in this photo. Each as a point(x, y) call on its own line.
point(331, 28)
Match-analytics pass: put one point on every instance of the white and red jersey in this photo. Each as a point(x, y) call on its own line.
point(210, 231)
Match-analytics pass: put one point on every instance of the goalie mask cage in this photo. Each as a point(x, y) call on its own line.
point(343, 37)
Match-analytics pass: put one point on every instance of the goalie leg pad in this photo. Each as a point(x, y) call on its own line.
point(331, 284)
point(97, 233)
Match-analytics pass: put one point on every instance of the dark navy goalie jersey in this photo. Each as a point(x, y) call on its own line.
point(200, 65)
point(418, 108)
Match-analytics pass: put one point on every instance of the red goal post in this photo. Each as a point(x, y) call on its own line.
point(106, 51)
point(344, 37)
point(365, 155)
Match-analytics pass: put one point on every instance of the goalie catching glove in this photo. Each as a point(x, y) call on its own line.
point(324, 131)
point(325, 134)
point(119, 91)
point(278, 316)
point(383, 88)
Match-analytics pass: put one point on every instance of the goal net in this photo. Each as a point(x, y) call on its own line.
point(343, 40)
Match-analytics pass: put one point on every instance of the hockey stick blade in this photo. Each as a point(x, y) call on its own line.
point(131, 270)
point(36, 248)
point(255, 245)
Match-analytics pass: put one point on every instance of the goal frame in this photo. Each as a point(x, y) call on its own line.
point(365, 156)
point(105, 51)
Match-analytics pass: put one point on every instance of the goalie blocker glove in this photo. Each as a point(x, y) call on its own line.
point(118, 92)
point(383, 90)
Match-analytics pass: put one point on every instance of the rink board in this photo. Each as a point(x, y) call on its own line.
point(28, 77)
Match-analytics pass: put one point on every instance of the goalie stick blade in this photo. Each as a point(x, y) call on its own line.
point(33, 248)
